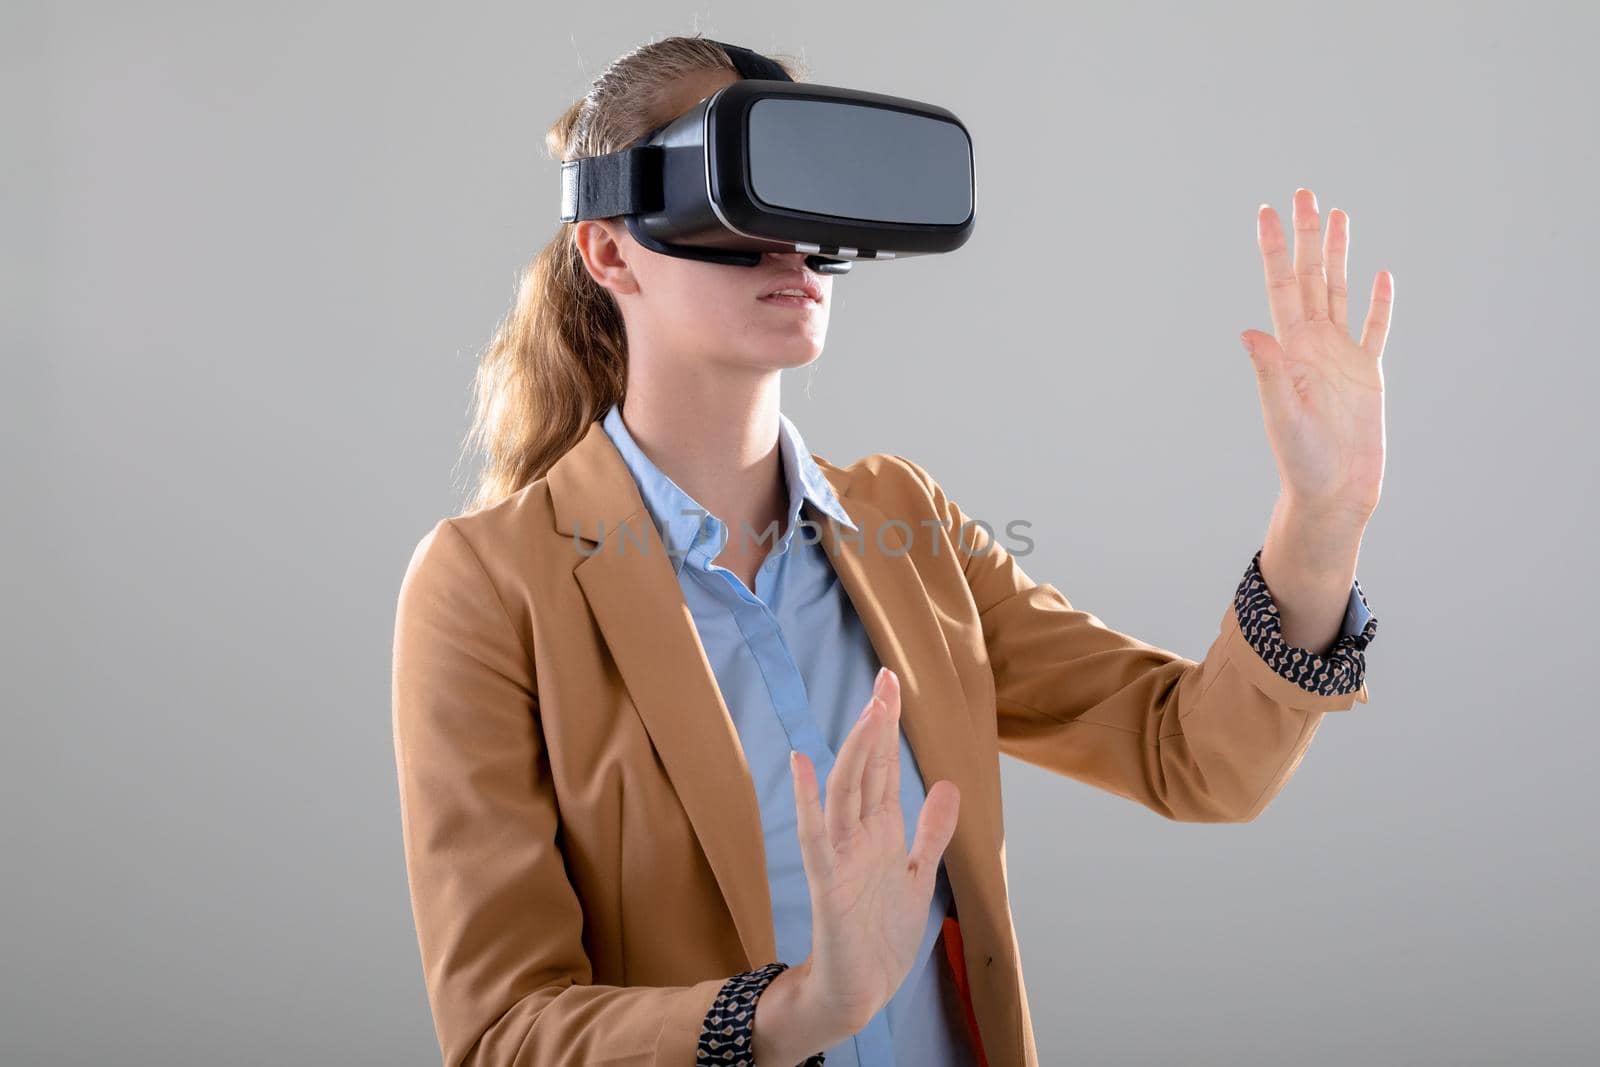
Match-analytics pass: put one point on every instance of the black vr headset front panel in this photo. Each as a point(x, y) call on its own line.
point(830, 160)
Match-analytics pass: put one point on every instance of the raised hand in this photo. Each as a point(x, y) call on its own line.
point(869, 898)
point(1321, 392)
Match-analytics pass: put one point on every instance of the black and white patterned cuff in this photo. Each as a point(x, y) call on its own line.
point(1344, 666)
point(727, 1036)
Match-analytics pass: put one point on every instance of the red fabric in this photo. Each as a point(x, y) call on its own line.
point(958, 964)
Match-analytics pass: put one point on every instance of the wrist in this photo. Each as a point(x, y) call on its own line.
point(1337, 518)
point(1313, 546)
point(792, 1022)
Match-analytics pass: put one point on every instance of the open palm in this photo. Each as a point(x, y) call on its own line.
point(1321, 392)
point(869, 898)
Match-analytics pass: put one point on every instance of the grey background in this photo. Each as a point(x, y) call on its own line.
point(251, 252)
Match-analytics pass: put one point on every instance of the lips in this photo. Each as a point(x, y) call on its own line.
point(795, 279)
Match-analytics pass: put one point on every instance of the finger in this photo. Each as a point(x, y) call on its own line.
point(816, 855)
point(843, 810)
point(883, 750)
point(1376, 331)
point(891, 787)
point(1308, 256)
point(1337, 252)
point(935, 827)
point(1283, 289)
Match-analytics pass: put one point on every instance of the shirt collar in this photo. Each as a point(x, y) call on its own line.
point(686, 528)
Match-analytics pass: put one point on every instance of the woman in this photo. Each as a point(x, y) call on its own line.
point(613, 757)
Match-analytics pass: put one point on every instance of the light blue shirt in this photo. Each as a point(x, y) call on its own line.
point(795, 668)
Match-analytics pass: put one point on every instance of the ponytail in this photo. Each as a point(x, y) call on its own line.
point(559, 358)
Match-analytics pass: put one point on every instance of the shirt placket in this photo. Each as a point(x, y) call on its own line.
point(758, 623)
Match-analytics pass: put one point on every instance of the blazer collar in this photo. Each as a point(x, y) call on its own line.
point(638, 605)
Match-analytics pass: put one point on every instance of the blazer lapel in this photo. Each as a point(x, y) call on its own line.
point(637, 604)
point(893, 605)
point(639, 607)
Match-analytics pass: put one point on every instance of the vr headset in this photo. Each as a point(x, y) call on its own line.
point(767, 164)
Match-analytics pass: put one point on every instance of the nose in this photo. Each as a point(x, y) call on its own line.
point(787, 259)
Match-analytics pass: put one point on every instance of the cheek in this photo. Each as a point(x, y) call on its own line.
point(707, 300)
point(730, 293)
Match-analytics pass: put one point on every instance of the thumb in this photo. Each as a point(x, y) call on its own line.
point(1267, 357)
point(816, 852)
point(1263, 351)
point(941, 807)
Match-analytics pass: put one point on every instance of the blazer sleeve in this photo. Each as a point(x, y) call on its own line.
point(499, 924)
point(1207, 741)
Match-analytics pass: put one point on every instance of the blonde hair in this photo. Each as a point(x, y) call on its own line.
point(559, 358)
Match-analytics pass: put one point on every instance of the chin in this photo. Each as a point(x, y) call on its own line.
point(791, 355)
point(764, 350)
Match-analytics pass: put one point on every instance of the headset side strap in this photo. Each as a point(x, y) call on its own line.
point(618, 183)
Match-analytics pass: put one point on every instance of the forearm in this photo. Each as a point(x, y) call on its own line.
point(1309, 564)
point(789, 1025)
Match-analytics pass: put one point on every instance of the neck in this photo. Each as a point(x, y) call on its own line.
point(717, 438)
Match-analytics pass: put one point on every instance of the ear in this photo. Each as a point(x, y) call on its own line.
point(605, 246)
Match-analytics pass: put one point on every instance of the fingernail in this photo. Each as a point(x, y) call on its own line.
point(1245, 341)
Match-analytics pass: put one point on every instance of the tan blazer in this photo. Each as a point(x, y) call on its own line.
point(582, 837)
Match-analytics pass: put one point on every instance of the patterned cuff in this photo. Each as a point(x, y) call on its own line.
point(727, 1036)
point(1344, 666)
